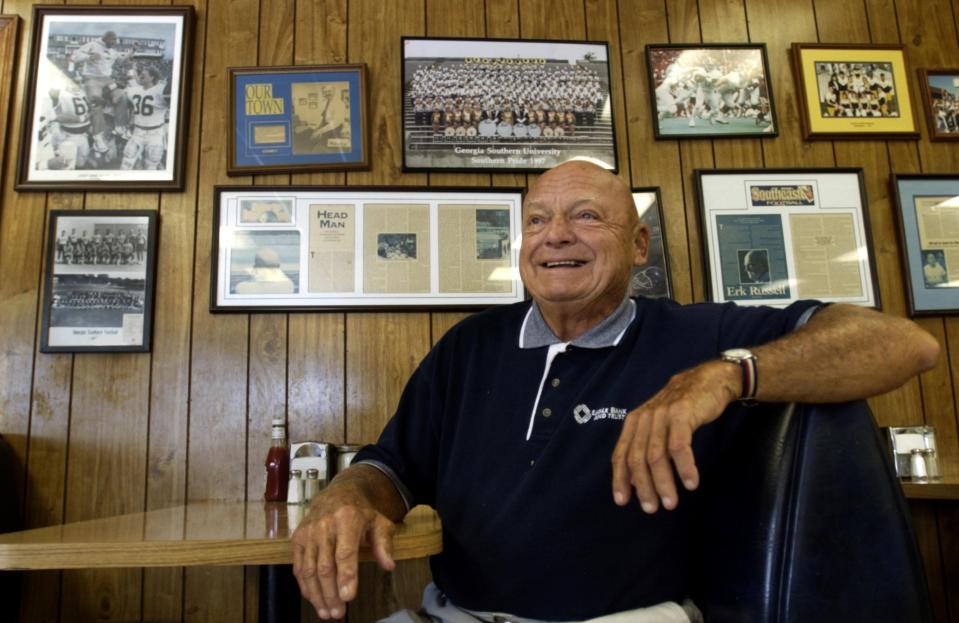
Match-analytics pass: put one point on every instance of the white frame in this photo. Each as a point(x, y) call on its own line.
point(226, 224)
point(834, 192)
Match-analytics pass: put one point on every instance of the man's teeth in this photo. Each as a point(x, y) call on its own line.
point(563, 263)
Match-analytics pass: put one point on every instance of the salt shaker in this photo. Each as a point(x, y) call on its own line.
point(917, 465)
point(294, 494)
point(932, 464)
point(311, 485)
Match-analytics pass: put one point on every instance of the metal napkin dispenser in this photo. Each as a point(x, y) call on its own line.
point(305, 455)
point(914, 452)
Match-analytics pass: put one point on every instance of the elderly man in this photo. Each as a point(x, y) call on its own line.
point(507, 427)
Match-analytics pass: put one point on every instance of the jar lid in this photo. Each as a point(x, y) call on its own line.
point(312, 473)
point(295, 473)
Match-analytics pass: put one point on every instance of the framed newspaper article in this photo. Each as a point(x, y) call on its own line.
point(854, 91)
point(105, 105)
point(99, 281)
point(652, 279)
point(717, 90)
point(928, 208)
point(775, 236)
point(940, 98)
point(495, 104)
point(279, 248)
point(303, 118)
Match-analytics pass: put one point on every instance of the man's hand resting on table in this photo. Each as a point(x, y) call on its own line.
point(327, 542)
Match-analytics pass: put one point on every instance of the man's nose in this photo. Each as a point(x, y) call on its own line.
point(560, 231)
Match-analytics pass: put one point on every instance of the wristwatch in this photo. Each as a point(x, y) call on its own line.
point(746, 361)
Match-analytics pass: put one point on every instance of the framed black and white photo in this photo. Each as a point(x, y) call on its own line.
point(106, 99)
point(775, 236)
point(710, 91)
point(287, 248)
point(495, 104)
point(652, 279)
point(927, 207)
point(298, 119)
point(99, 281)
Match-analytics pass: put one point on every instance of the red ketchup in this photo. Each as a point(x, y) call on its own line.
point(277, 464)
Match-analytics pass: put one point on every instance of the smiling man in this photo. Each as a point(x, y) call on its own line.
point(545, 433)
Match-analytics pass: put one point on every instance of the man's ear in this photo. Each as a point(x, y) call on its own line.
point(641, 245)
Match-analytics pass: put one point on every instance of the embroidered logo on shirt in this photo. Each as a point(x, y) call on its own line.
point(583, 414)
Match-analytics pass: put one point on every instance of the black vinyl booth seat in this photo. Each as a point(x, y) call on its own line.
point(10, 521)
point(807, 523)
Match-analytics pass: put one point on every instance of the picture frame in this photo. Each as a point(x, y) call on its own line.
point(106, 106)
point(940, 98)
point(298, 119)
point(775, 236)
point(284, 248)
point(99, 281)
point(930, 256)
point(855, 91)
point(725, 87)
point(9, 26)
point(653, 279)
point(543, 103)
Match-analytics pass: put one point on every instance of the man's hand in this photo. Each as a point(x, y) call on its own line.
point(659, 434)
point(326, 547)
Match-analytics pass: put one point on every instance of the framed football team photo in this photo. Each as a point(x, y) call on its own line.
point(99, 281)
point(652, 279)
point(927, 206)
point(285, 248)
point(853, 91)
point(106, 99)
point(303, 118)
point(775, 236)
point(495, 104)
point(707, 91)
point(940, 97)
point(8, 49)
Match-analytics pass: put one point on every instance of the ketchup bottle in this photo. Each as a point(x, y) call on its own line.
point(277, 464)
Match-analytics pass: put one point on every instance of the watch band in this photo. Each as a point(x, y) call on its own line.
point(747, 366)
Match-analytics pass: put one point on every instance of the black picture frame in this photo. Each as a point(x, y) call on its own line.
point(797, 225)
point(940, 99)
point(550, 101)
point(99, 281)
point(81, 56)
point(653, 279)
point(725, 87)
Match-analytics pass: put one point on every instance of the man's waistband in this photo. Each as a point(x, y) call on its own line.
point(77, 129)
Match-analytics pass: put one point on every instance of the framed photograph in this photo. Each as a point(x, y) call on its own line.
point(281, 248)
point(775, 236)
point(853, 91)
point(99, 281)
point(927, 207)
point(940, 96)
point(8, 50)
point(494, 104)
point(106, 100)
point(303, 118)
point(710, 90)
point(652, 279)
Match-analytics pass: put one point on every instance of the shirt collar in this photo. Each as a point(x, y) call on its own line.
point(535, 333)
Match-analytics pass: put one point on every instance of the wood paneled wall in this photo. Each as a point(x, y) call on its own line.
point(98, 435)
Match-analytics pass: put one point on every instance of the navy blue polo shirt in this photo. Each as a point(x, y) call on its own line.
point(524, 486)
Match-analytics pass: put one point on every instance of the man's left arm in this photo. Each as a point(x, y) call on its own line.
point(843, 353)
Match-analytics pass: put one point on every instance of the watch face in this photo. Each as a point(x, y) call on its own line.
point(737, 353)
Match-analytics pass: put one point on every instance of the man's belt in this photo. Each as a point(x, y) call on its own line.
point(149, 127)
point(81, 129)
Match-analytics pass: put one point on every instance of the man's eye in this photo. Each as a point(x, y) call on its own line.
point(587, 216)
point(535, 220)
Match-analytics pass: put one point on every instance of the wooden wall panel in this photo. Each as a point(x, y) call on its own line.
point(97, 434)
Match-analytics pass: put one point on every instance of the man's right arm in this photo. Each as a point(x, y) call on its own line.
point(359, 506)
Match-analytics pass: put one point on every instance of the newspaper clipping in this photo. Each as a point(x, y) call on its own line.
point(939, 241)
point(396, 248)
point(753, 257)
point(474, 248)
point(331, 251)
point(825, 254)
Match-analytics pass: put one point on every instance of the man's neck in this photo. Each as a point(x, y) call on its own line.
point(569, 322)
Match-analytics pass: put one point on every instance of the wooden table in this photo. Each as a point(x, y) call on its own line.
point(200, 533)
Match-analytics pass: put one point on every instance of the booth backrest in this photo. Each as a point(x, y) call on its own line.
point(807, 523)
point(10, 520)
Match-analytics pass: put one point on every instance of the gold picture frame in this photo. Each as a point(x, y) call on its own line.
point(854, 91)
